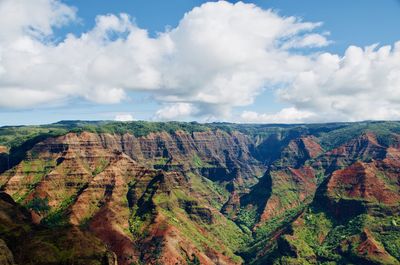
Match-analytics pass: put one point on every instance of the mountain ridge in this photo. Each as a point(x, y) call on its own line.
point(189, 193)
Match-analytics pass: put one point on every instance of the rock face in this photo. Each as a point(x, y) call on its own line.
point(6, 256)
point(296, 195)
point(3, 158)
point(369, 182)
point(3, 149)
point(124, 189)
point(292, 188)
point(26, 243)
point(353, 210)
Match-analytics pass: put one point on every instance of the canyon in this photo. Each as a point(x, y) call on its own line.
point(186, 193)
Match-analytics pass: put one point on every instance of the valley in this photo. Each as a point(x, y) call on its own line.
point(127, 193)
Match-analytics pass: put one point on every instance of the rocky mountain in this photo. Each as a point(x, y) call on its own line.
point(187, 193)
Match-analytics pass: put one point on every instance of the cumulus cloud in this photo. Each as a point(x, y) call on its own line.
point(225, 54)
point(363, 84)
point(286, 115)
point(220, 56)
point(310, 40)
point(32, 18)
point(124, 117)
point(175, 111)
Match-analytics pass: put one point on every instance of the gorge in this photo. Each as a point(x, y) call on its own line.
point(105, 192)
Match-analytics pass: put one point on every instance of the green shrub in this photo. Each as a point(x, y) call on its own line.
point(39, 205)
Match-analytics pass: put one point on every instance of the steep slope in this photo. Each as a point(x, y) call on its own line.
point(143, 197)
point(283, 192)
point(180, 193)
point(353, 218)
point(286, 184)
point(26, 243)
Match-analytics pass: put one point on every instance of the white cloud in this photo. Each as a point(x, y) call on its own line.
point(226, 54)
point(310, 40)
point(123, 117)
point(220, 56)
point(286, 115)
point(363, 84)
point(33, 18)
point(175, 111)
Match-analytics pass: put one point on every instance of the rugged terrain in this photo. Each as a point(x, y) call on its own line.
point(188, 193)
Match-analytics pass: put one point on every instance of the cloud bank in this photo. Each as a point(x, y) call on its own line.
point(220, 56)
point(124, 117)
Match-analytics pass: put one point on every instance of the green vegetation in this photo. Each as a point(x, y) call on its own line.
point(247, 217)
point(57, 216)
point(15, 136)
point(212, 192)
point(36, 245)
point(383, 130)
point(331, 135)
point(318, 236)
point(265, 232)
point(137, 128)
point(391, 242)
point(103, 163)
point(137, 223)
point(161, 161)
point(299, 234)
point(39, 168)
point(197, 162)
point(39, 205)
point(217, 233)
point(386, 230)
point(274, 223)
point(34, 170)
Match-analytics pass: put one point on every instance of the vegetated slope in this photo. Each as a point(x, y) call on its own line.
point(23, 242)
point(353, 217)
point(189, 193)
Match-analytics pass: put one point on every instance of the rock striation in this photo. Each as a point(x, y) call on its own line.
point(295, 195)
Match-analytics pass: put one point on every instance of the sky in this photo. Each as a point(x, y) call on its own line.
point(266, 61)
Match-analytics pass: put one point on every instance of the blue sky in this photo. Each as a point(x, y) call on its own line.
point(357, 22)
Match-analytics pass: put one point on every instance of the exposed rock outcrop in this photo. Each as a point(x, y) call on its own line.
point(203, 197)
